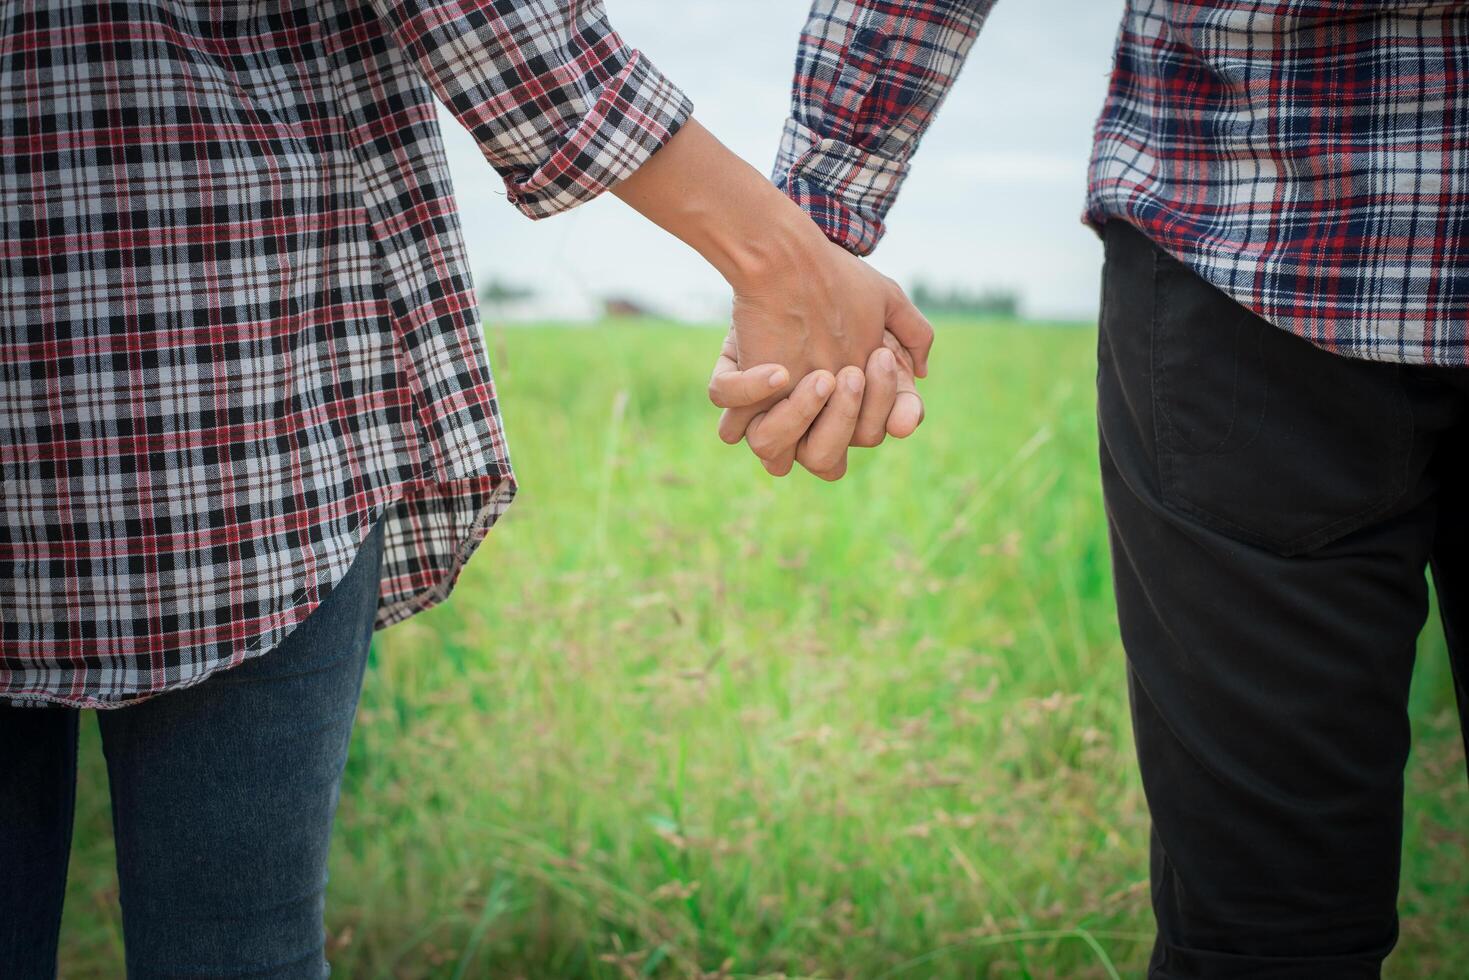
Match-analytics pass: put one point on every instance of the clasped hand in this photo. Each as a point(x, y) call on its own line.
point(820, 356)
point(822, 350)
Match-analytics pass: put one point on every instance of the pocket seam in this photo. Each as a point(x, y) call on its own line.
point(1165, 436)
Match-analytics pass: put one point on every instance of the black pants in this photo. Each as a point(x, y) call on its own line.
point(1273, 508)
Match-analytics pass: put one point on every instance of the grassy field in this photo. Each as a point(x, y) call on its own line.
point(682, 720)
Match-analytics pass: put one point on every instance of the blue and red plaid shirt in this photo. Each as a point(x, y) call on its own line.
point(1308, 157)
point(237, 328)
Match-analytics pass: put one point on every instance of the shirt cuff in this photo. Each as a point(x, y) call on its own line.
point(845, 190)
point(636, 114)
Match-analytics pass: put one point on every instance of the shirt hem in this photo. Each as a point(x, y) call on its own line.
point(495, 504)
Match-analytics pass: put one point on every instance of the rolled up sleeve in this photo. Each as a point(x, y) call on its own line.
point(559, 104)
point(870, 75)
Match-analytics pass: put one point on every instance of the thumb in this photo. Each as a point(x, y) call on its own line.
point(911, 328)
point(907, 413)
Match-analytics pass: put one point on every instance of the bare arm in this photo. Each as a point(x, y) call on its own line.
point(799, 300)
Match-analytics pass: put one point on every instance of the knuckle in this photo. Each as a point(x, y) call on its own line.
point(767, 445)
point(819, 466)
point(813, 459)
point(823, 458)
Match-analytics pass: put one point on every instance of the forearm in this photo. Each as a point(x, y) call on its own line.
point(702, 193)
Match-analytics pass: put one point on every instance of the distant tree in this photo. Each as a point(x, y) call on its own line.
point(991, 302)
point(495, 293)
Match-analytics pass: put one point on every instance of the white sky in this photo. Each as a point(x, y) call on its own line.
point(994, 197)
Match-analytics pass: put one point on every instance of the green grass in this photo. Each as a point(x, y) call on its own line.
point(680, 717)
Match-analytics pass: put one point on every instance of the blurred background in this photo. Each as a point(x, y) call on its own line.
point(993, 205)
point(682, 720)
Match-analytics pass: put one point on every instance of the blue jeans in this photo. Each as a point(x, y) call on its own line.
point(223, 796)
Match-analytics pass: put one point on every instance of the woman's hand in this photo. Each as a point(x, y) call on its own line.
point(800, 301)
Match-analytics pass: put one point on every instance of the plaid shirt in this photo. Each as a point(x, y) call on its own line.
point(1308, 157)
point(236, 325)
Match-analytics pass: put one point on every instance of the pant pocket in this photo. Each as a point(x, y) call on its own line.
point(1260, 434)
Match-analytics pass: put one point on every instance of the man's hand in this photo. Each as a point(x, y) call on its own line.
point(820, 307)
point(825, 312)
point(816, 423)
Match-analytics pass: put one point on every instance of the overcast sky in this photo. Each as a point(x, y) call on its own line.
point(994, 197)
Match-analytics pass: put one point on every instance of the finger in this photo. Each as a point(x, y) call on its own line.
point(907, 413)
point(777, 431)
point(823, 451)
point(900, 353)
point(877, 401)
point(734, 422)
point(782, 465)
point(908, 410)
point(910, 327)
point(729, 387)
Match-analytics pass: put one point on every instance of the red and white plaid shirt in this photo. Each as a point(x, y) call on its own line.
point(1308, 157)
point(236, 322)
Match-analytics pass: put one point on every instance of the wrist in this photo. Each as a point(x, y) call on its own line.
point(723, 208)
point(755, 244)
